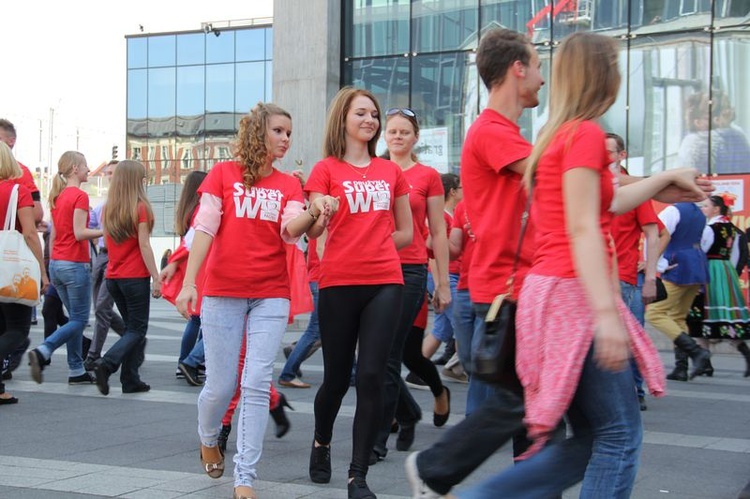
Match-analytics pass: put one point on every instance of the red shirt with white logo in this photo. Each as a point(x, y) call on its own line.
point(461, 221)
point(359, 248)
point(125, 258)
point(495, 200)
point(248, 254)
point(313, 261)
point(65, 246)
point(424, 183)
point(24, 199)
point(626, 233)
point(576, 145)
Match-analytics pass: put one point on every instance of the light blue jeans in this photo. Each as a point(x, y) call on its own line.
point(72, 280)
point(226, 323)
point(443, 325)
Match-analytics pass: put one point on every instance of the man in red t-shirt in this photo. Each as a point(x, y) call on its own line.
point(8, 135)
point(493, 161)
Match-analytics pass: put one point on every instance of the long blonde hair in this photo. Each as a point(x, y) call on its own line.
point(65, 166)
point(334, 141)
point(251, 148)
point(120, 213)
point(9, 168)
point(585, 82)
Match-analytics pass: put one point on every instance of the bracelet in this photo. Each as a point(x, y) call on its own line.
point(189, 286)
point(314, 217)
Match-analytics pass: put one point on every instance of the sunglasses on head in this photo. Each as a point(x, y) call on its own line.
point(401, 110)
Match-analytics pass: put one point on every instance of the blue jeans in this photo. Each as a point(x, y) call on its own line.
point(606, 445)
point(191, 347)
point(305, 343)
point(443, 325)
point(227, 323)
point(632, 297)
point(133, 299)
point(468, 320)
point(73, 283)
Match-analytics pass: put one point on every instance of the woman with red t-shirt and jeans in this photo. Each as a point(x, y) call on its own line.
point(427, 204)
point(128, 219)
point(361, 282)
point(15, 318)
point(580, 368)
point(69, 266)
point(248, 212)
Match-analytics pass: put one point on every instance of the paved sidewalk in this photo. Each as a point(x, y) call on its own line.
point(65, 441)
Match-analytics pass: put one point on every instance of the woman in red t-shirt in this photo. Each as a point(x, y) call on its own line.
point(248, 212)
point(15, 319)
point(574, 333)
point(69, 266)
point(361, 282)
point(427, 203)
point(128, 220)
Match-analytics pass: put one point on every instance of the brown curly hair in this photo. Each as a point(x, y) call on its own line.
point(251, 148)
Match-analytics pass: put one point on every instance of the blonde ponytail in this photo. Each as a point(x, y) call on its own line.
point(68, 161)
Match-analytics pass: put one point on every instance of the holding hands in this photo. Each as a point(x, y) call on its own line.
point(323, 208)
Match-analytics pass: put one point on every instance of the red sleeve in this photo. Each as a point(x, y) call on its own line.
point(502, 147)
point(213, 182)
point(82, 202)
point(142, 213)
point(402, 186)
point(458, 216)
point(586, 148)
point(320, 179)
point(434, 184)
point(27, 180)
point(24, 197)
point(645, 214)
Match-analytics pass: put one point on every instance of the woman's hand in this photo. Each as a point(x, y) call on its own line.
point(326, 206)
point(156, 288)
point(45, 283)
point(167, 273)
point(687, 186)
point(648, 292)
point(441, 298)
point(611, 341)
point(187, 300)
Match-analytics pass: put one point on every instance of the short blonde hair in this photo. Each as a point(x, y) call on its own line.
point(9, 168)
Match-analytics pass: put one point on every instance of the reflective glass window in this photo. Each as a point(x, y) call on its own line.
point(269, 43)
point(137, 94)
point(137, 52)
point(250, 84)
point(509, 14)
point(251, 44)
point(161, 92)
point(269, 81)
point(376, 28)
point(190, 90)
point(191, 49)
point(387, 78)
point(161, 50)
point(439, 25)
point(220, 88)
point(220, 48)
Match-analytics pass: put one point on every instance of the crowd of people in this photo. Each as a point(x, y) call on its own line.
point(389, 236)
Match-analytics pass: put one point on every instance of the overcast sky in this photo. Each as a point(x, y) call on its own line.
point(70, 56)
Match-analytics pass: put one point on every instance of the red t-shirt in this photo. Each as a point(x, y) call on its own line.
point(495, 200)
point(454, 266)
point(248, 255)
point(24, 199)
point(461, 221)
point(65, 246)
point(27, 180)
point(313, 262)
point(424, 183)
point(360, 249)
point(125, 259)
point(576, 145)
point(626, 233)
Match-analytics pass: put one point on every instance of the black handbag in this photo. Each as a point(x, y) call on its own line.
point(661, 291)
point(494, 356)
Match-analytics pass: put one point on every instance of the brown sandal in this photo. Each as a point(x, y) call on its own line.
point(244, 492)
point(212, 460)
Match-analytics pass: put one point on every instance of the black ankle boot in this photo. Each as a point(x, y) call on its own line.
point(700, 355)
point(745, 351)
point(405, 437)
point(680, 372)
point(226, 429)
point(358, 489)
point(279, 416)
point(320, 463)
point(709, 370)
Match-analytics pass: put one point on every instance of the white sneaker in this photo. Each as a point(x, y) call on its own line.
point(419, 489)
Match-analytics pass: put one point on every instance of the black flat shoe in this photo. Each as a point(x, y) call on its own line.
point(320, 464)
point(405, 437)
point(102, 375)
point(440, 419)
point(358, 489)
point(9, 401)
point(139, 388)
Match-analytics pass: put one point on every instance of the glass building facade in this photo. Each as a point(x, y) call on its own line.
point(186, 93)
point(684, 100)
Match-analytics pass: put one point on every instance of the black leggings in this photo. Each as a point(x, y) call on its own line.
point(347, 315)
point(15, 322)
point(419, 364)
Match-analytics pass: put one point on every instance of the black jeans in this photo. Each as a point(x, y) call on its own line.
point(15, 323)
point(133, 299)
point(397, 401)
point(347, 315)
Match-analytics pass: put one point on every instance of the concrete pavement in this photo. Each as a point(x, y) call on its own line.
point(65, 441)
